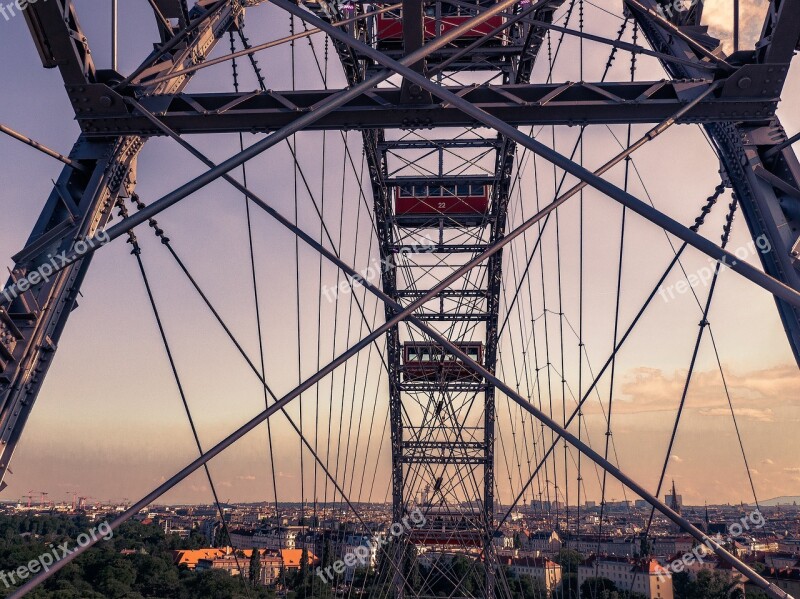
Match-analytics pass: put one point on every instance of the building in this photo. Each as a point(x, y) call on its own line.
point(675, 503)
point(673, 500)
point(177, 526)
point(787, 579)
point(671, 545)
point(356, 544)
point(540, 568)
point(292, 558)
point(766, 545)
point(646, 577)
point(236, 565)
point(191, 557)
point(364, 552)
point(544, 542)
point(265, 538)
point(502, 540)
point(237, 562)
point(619, 546)
point(781, 560)
point(789, 546)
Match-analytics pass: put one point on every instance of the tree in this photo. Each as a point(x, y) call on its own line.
point(221, 538)
point(517, 541)
point(753, 593)
point(715, 584)
point(255, 568)
point(568, 559)
point(568, 588)
point(710, 584)
point(304, 565)
point(683, 587)
point(597, 587)
point(645, 547)
point(527, 587)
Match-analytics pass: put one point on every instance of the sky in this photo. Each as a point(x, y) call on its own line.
point(109, 423)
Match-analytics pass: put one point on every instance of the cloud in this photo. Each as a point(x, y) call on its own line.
point(647, 389)
point(794, 470)
point(718, 15)
point(764, 415)
point(247, 477)
point(767, 461)
point(676, 458)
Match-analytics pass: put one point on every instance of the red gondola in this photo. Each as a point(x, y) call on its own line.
point(429, 361)
point(433, 200)
point(389, 25)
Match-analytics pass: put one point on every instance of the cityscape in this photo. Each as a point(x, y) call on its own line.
point(636, 553)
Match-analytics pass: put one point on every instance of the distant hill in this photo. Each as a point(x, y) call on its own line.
point(784, 500)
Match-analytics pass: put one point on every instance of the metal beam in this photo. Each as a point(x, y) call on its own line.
point(432, 144)
point(780, 36)
point(60, 40)
point(413, 39)
point(79, 206)
point(759, 161)
point(518, 105)
point(42, 148)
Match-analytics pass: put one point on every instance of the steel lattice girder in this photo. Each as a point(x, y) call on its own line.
point(517, 104)
point(376, 152)
point(60, 41)
point(758, 161)
point(81, 204)
point(495, 226)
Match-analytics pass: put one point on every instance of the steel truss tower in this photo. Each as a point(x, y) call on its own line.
point(436, 453)
point(442, 421)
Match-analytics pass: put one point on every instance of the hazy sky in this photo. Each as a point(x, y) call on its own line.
point(109, 422)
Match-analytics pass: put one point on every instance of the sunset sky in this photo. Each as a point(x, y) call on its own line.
point(109, 423)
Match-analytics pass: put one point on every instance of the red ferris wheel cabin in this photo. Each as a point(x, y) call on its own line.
point(436, 200)
point(430, 361)
point(389, 25)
